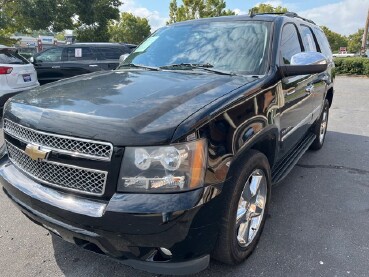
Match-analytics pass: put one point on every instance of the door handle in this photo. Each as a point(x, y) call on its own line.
point(55, 66)
point(290, 91)
point(309, 89)
point(93, 65)
point(325, 78)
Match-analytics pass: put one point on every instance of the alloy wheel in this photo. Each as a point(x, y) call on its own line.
point(251, 207)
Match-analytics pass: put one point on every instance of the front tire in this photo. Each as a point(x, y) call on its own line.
point(247, 197)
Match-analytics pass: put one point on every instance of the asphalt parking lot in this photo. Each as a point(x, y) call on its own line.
point(318, 223)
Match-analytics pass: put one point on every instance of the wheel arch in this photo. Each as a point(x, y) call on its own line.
point(265, 142)
point(329, 96)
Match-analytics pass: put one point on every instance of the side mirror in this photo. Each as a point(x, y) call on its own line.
point(122, 58)
point(32, 59)
point(305, 63)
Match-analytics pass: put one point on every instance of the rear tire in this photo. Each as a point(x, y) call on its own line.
point(247, 197)
point(320, 128)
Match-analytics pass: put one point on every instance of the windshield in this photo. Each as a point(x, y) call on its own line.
point(239, 47)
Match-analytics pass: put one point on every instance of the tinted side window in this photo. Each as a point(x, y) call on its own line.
point(80, 54)
point(290, 44)
point(11, 57)
point(112, 53)
point(323, 43)
point(50, 55)
point(308, 38)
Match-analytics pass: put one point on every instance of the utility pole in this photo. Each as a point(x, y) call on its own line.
point(365, 36)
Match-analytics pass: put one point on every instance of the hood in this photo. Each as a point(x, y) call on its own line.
point(135, 107)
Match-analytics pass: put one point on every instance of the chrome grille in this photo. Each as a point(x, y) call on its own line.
point(82, 180)
point(62, 144)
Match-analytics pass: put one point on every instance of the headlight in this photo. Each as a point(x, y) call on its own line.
point(177, 167)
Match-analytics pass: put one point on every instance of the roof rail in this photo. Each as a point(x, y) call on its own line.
point(289, 14)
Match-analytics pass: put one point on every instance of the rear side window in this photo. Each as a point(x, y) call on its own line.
point(323, 43)
point(80, 54)
point(308, 39)
point(8, 56)
point(112, 53)
point(290, 43)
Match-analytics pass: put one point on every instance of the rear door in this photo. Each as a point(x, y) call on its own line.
point(48, 65)
point(318, 85)
point(79, 60)
point(109, 56)
point(296, 113)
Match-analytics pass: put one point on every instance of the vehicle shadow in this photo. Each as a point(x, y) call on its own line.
point(309, 231)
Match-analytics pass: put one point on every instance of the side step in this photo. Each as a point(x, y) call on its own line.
point(281, 170)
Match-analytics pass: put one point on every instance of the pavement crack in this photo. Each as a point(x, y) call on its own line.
point(336, 167)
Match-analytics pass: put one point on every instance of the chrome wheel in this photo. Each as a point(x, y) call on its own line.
point(251, 207)
point(323, 125)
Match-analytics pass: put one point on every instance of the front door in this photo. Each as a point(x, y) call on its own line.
point(48, 65)
point(296, 116)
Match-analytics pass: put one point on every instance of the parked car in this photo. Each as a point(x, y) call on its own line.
point(27, 52)
point(170, 159)
point(16, 74)
point(70, 60)
point(343, 54)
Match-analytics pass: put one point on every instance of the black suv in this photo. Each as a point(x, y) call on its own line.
point(170, 159)
point(66, 61)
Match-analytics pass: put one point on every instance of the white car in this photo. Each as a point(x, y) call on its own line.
point(343, 55)
point(16, 73)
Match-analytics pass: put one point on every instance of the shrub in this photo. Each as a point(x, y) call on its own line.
point(352, 66)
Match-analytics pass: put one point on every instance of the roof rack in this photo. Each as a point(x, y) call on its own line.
point(289, 14)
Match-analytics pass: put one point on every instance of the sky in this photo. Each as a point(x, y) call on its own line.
point(341, 16)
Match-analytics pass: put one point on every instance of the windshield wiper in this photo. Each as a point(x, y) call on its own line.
point(205, 66)
point(187, 65)
point(139, 66)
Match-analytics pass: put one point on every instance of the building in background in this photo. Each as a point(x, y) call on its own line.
point(28, 46)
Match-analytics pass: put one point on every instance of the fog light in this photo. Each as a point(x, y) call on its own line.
point(166, 252)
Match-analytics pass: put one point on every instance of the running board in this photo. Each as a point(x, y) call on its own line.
point(281, 170)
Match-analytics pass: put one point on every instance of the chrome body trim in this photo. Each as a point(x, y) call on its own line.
point(301, 123)
point(50, 196)
point(61, 151)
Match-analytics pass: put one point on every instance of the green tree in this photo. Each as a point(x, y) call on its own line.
point(7, 26)
point(215, 8)
point(60, 36)
point(130, 29)
point(355, 41)
point(335, 40)
point(94, 18)
point(267, 8)
point(192, 9)
point(89, 17)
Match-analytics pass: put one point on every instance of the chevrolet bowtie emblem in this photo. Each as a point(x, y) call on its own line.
point(35, 153)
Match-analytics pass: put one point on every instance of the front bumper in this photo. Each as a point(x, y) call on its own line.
point(133, 228)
